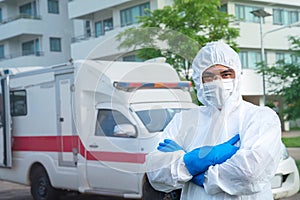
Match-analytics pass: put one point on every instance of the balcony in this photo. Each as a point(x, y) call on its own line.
point(79, 8)
point(19, 60)
point(19, 25)
point(96, 47)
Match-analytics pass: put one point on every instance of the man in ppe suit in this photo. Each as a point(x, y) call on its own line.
point(226, 149)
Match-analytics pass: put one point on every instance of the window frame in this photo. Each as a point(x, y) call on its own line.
point(98, 24)
point(57, 47)
point(12, 103)
point(246, 61)
point(126, 15)
point(26, 52)
point(2, 51)
point(242, 13)
point(1, 17)
point(53, 6)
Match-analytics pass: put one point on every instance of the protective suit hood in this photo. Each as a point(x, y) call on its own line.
point(216, 53)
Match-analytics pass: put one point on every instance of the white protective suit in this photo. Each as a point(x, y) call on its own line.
point(247, 174)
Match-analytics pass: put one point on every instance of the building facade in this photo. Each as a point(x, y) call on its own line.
point(34, 33)
point(284, 21)
point(96, 25)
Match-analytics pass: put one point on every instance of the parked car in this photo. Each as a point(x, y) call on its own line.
point(286, 180)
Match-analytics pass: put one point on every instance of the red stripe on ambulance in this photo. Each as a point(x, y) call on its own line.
point(66, 143)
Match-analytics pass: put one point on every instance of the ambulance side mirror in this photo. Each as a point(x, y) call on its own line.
point(124, 130)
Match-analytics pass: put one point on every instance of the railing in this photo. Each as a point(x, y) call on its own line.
point(21, 54)
point(21, 16)
point(89, 36)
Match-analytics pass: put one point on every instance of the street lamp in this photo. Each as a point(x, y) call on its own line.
point(262, 14)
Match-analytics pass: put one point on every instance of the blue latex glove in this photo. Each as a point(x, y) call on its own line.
point(198, 179)
point(199, 159)
point(169, 146)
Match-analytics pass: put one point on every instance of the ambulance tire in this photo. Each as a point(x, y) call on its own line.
point(149, 193)
point(40, 186)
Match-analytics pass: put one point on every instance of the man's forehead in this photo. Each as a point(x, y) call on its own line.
point(218, 68)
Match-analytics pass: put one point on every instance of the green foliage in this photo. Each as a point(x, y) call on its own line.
point(285, 78)
point(177, 32)
point(291, 142)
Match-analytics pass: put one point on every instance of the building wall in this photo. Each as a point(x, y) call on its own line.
point(273, 42)
point(106, 45)
point(15, 32)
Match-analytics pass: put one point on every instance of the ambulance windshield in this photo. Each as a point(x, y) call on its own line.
point(156, 120)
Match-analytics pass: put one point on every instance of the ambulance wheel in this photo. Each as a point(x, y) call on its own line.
point(41, 188)
point(149, 193)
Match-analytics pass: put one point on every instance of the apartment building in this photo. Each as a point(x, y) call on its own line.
point(96, 25)
point(34, 33)
point(283, 21)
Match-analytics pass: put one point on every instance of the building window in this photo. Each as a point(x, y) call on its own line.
point(285, 17)
point(2, 51)
point(31, 47)
point(293, 17)
point(18, 105)
point(53, 6)
point(250, 59)
point(88, 32)
point(28, 48)
point(129, 15)
point(278, 16)
point(243, 13)
point(223, 8)
point(102, 26)
point(28, 9)
point(286, 58)
point(0, 15)
point(108, 24)
point(98, 29)
point(55, 44)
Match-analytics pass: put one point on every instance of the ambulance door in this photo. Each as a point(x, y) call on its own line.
point(5, 125)
point(114, 159)
point(66, 128)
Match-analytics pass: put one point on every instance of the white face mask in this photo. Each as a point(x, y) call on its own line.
point(218, 91)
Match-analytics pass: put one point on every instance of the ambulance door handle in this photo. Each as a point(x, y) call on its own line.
point(93, 146)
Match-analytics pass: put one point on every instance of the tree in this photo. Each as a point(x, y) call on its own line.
point(178, 31)
point(285, 78)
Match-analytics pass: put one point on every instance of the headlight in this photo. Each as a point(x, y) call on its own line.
point(285, 153)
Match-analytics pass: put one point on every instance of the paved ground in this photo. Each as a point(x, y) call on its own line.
point(12, 191)
point(291, 134)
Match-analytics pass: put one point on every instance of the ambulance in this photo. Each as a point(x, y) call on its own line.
point(87, 126)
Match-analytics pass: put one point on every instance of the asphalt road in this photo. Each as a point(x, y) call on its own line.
point(12, 191)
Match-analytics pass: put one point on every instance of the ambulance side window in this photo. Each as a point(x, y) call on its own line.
point(18, 104)
point(107, 120)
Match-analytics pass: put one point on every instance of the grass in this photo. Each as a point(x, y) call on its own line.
point(291, 142)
